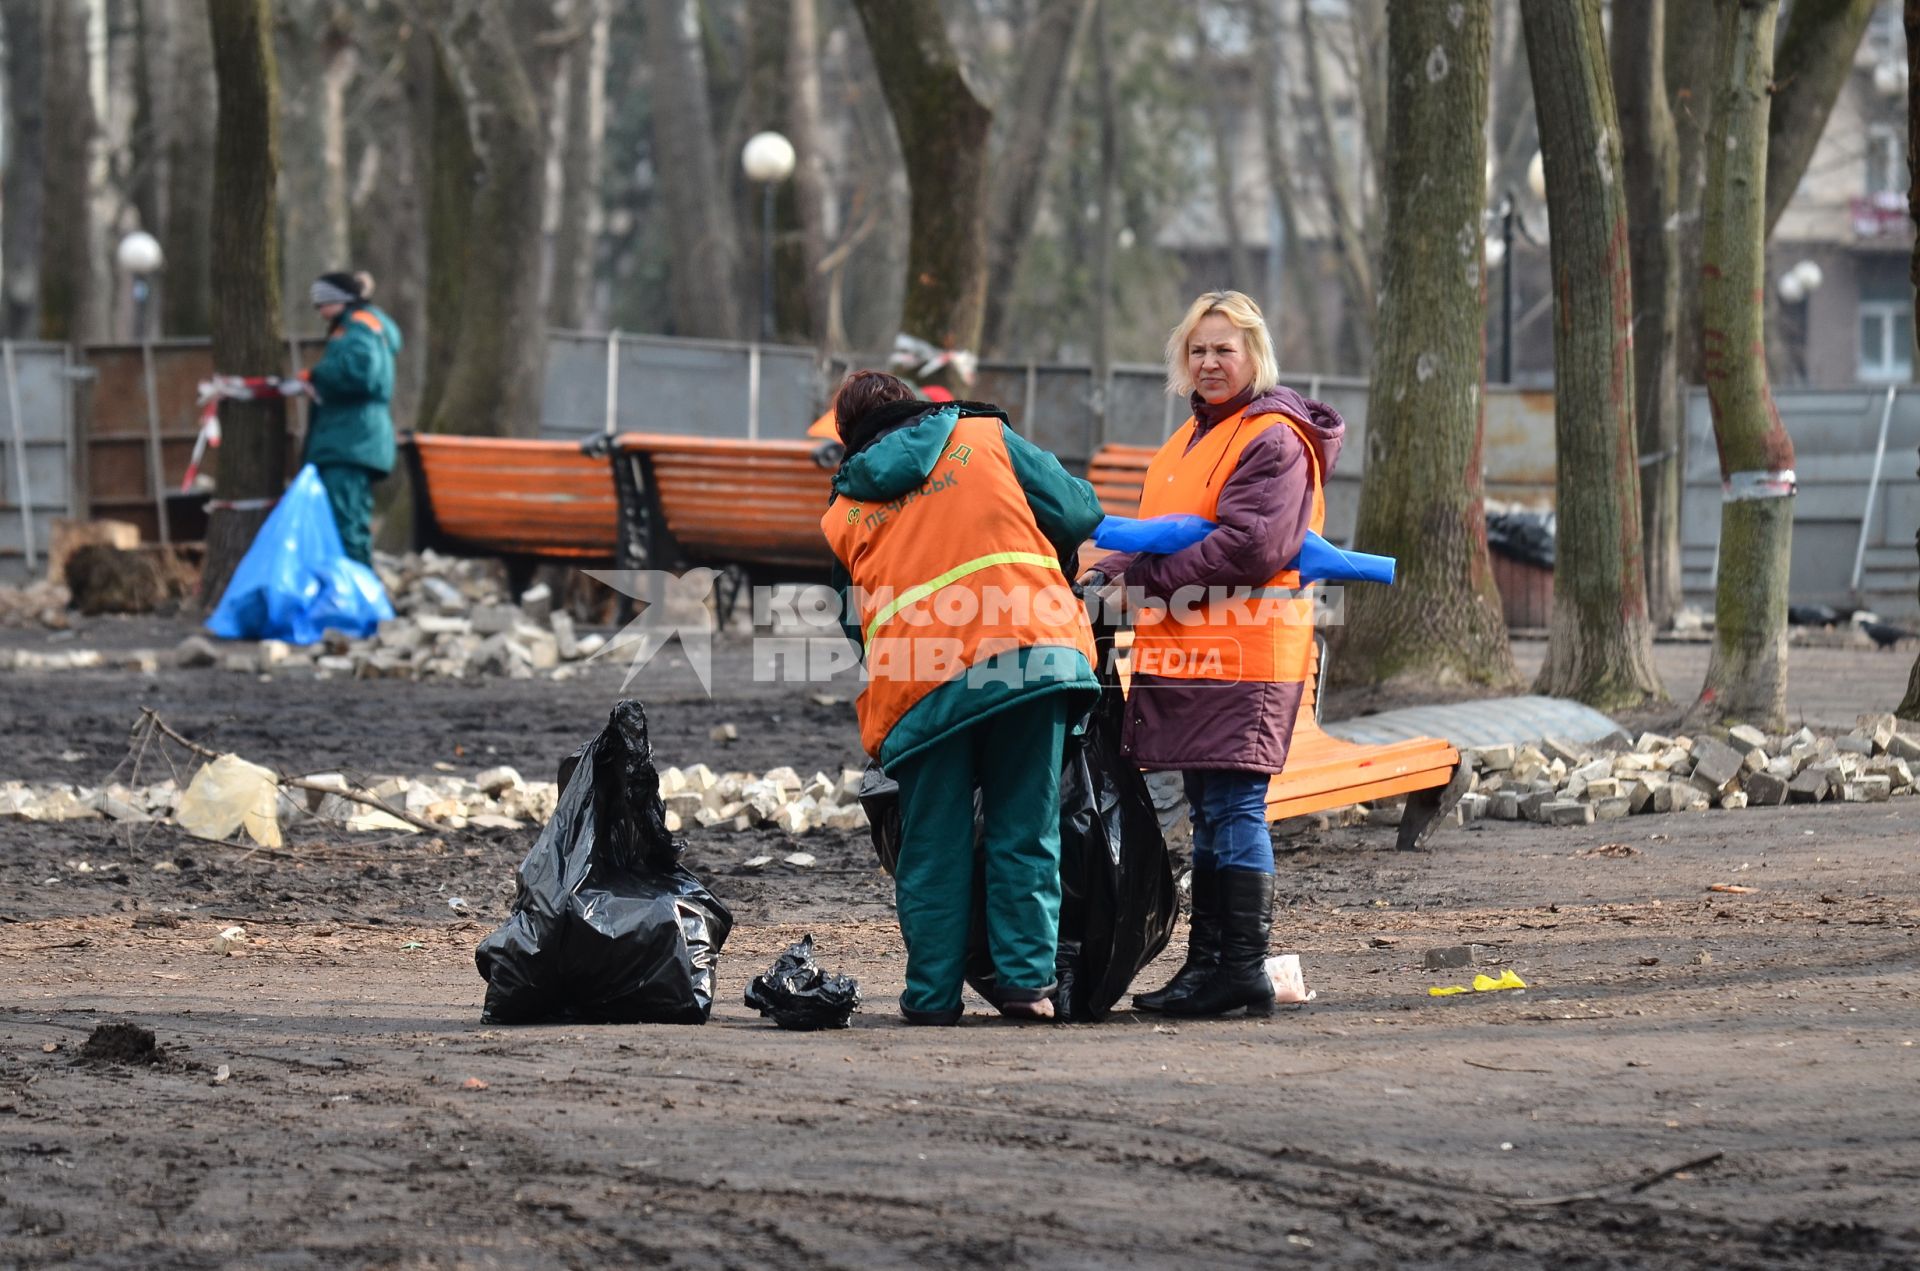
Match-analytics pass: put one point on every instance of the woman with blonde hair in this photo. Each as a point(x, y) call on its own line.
point(1217, 678)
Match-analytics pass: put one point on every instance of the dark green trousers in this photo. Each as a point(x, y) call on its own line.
point(350, 495)
point(1013, 759)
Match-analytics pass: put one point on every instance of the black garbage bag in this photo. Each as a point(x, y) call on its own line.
point(799, 995)
point(1523, 535)
point(1118, 903)
point(607, 926)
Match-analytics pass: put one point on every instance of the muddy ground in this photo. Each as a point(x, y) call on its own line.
point(1377, 1126)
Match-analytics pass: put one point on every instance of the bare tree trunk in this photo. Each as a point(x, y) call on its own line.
point(810, 189)
point(26, 154)
point(185, 289)
point(1600, 644)
point(1347, 223)
point(1909, 707)
point(1421, 494)
point(152, 87)
point(314, 49)
point(942, 126)
point(576, 247)
point(388, 197)
point(1040, 86)
point(68, 305)
point(1692, 61)
point(246, 287)
point(1280, 178)
point(1747, 669)
point(1811, 65)
point(1651, 150)
point(694, 183)
point(450, 165)
point(1220, 134)
point(498, 344)
point(1105, 225)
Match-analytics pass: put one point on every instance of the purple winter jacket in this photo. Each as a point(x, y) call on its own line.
point(1263, 513)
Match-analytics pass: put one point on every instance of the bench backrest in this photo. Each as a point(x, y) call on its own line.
point(515, 496)
point(1117, 473)
point(732, 500)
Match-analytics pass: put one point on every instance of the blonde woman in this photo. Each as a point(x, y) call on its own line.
point(1217, 680)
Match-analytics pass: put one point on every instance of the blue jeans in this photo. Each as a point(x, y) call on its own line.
point(1229, 813)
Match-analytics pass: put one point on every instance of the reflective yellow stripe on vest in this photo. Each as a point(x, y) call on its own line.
point(915, 594)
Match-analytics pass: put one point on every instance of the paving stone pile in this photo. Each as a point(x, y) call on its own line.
point(496, 798)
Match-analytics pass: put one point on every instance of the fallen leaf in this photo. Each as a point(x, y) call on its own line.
point(1731, 888)
point(47, 1048)
point(1615, 850)
point(473, 1083)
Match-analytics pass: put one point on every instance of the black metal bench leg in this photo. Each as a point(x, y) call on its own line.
point(1426, 807)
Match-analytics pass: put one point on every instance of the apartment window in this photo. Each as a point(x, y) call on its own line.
point(1886, 341)
point(1886, 159)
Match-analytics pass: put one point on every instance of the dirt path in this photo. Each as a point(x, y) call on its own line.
point(1664, 1023)
point(1379, 1126)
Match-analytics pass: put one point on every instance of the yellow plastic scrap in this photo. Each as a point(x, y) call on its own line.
point(1481, 984)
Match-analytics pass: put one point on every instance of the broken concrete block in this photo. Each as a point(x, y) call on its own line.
point(1603, 788)
point(1716, 763)
point(700, 778)
point(497, 781)
point(564, 637)
point(1566, 812)
point(493, 619)
point(1495, 758)
point(1674, 759)
point(1471, 808)
point(1754, 761)
point(1568, 753)
point(1612, 809)
point(1652, 743)
point(1733, 800)
point(1853, 745)
point(1879, 730)
point(195, 652)
point(1871, 789)
point(1766, 789)
point(1746, 737)
point(1686, 797)
point(785, 778)
point(723, 733)
point(1809, 787)
point(537, 603)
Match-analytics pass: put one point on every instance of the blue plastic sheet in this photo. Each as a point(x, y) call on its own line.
point(296, 581)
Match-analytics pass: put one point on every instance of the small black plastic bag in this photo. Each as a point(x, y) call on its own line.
point(607, 926)
point(799, 995)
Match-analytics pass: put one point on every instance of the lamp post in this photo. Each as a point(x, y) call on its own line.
point(768, 160)
point(1499, 252)
point(138, 256)
point(1794, 287)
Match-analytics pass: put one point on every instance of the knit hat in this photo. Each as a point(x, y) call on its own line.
point(340, 288)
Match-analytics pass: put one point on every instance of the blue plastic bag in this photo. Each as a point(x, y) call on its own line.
point(296, 580)
point(1318, 561)
point(1160, 535)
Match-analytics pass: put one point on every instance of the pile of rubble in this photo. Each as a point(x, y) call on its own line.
point(494, 799)
point(453, 621)
point(38, 604)
point(1558, 783)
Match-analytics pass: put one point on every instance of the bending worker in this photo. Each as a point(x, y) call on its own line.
point(950, 531)
point(1217, 679)
point(349, 424)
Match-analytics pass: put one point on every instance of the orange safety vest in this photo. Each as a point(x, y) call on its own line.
point(948, 575)
point(1261, 634)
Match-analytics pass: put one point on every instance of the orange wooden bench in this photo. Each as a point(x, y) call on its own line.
point(1323, 772)
point(724, 501)
point(521, 500)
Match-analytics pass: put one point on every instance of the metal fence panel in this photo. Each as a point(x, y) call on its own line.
point(41, 451)
point(1837, 447)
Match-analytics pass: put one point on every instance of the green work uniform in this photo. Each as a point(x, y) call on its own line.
point(1014, 757)
point(350, 496)
point(350, 425)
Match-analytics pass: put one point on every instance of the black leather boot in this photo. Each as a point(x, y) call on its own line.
point(1246, 925)
point(1203, 945)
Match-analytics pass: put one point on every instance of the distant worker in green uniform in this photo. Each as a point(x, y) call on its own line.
point(349, 425)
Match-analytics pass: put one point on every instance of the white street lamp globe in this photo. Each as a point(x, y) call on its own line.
point(1791, 289)
point(1496, 252)
point(1890, 78)
point(1537, 175)
point(1809, 275)
point(767, 156)
point(139, 253)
